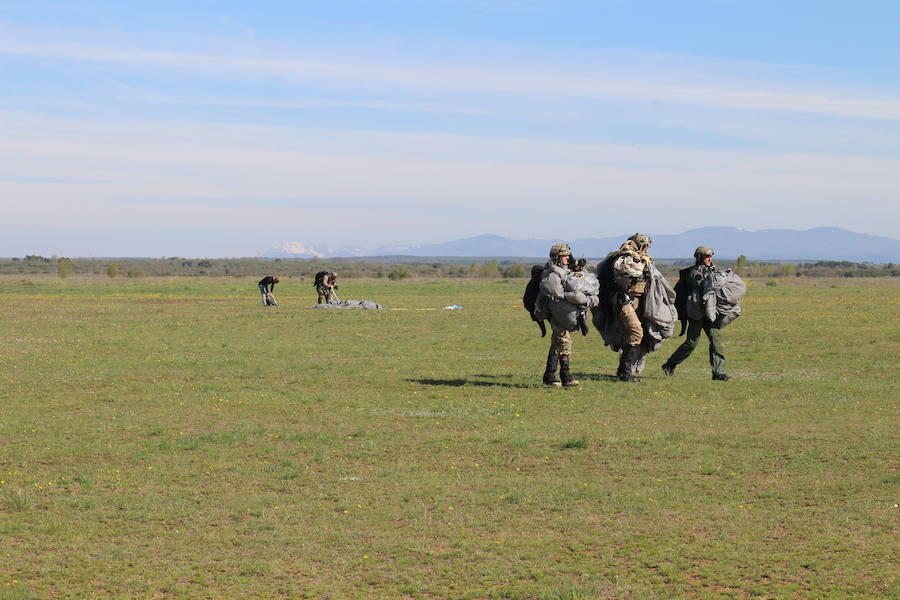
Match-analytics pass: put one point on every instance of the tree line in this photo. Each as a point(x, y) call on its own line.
point(392, 268)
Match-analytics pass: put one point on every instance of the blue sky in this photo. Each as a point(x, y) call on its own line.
point(225, 128)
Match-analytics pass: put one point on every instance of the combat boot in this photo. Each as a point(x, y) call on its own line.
point(550, 370)
point(626, 364)
point(720, 377)
point(668, 369)
point(564, 374)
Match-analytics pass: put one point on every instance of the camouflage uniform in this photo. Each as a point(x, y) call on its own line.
point(554, 276)
point(326, 288)
point(630, 273)
point(691, 282)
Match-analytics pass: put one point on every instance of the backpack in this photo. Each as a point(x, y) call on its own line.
point(532, 291)
point(320, 278)
point(682, 291)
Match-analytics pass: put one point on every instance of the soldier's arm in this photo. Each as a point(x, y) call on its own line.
point(552, 286)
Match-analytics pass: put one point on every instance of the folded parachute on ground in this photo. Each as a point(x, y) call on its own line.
point(352, 304)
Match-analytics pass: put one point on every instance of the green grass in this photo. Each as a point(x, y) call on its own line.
point(169, 438)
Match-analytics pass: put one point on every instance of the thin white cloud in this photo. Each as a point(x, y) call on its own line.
point(597, 83)
point(209, 176)
point(91, 176)
point(472, 110)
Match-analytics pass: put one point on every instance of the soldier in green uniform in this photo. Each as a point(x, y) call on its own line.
point(690, 292)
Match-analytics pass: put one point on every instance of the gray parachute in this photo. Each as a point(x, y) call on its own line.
point(727, 288)
point(583, 282)
point(657, 314)
point(583, 285)
point(352, 304)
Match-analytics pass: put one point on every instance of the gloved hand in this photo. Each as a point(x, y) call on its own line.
point(593, 301)
point(623, 298)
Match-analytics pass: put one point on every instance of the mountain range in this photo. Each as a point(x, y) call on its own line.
point(821, 243)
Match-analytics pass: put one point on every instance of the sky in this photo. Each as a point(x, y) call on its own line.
point(224, 128)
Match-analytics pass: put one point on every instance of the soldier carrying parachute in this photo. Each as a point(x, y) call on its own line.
point(564, 293)
point(708, 299)
point(636, 312)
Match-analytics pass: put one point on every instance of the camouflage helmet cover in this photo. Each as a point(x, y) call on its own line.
point(641, 240)
point(559, 250)
point(702, 251)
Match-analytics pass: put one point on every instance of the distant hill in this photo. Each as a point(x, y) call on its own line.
point(821, 243)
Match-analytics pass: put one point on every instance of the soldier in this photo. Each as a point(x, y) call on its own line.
point(266, 287)
point(553, 289)
point(325, 284)
point(690, 290)
point(630, 273)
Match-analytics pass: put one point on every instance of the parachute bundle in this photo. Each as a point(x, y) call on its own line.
point(722, 293)
point(717, 299)
point(656, 312)
point(570, 313)
point(583, 282)
point(352, 304)
point(579, 287)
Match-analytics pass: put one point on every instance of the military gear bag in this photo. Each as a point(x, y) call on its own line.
point(324, 277)
point(532, 291)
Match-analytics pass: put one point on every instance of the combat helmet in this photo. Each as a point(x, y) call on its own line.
point(642, 241)
point(557, 251)
point(702, 251)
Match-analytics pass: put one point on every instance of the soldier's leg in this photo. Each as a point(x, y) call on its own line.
point(564, 374)
point(557, 343)
point(560, 340)
point(561, 344)
point(632, 334)
point(565, 352)
point(550, 369)
point(632, 330)
point(695, 327)
point(716, 351)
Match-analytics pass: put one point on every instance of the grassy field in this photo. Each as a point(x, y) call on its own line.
point(171, 438)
